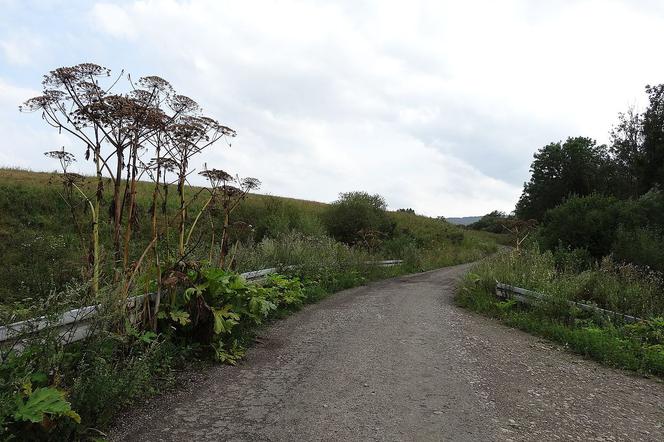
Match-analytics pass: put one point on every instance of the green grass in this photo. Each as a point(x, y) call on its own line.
point(621, 288)
point(44, 262)
point(43, 251)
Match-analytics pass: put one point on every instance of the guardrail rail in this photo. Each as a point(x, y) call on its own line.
point(526, 296)
point(74, 325)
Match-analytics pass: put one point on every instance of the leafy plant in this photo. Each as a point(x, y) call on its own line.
point(220, 307)
point(46, 402)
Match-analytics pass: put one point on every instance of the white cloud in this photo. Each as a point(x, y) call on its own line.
point(21, 48)
point(113, 19)
point(330, 106)
point(22, 145)
point(438, 105)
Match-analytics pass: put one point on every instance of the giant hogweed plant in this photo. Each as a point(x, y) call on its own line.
point(121, 131)
point(219, 308)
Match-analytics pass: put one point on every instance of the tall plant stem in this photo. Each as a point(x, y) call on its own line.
point(155, 193)
point(130, 209)
point(200, 212)
point(224, 239)
point(127, 286)
point(94, 208)
point(183, 216)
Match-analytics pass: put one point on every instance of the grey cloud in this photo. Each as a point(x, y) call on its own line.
point(435, 105)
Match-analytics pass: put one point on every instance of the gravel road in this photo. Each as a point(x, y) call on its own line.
point(396, 360)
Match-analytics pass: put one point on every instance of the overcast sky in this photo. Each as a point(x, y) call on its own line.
point(436, 105)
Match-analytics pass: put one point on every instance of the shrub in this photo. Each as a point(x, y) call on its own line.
point(492, 222)
point(642, 246)
point(633, 230)
point(355, 213)
point(572, 260)
point(584, 223)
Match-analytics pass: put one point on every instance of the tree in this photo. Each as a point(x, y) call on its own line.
point(576, 167)
point(491, 222)
point(626, 154)
point(653, 139)
point(358, 217)
point(637, 147)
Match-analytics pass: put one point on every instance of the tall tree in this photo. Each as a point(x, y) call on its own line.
point(626, 154)
point(576, 167)
point(653, 139)
point(637, 147)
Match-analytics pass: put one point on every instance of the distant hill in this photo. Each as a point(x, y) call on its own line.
point(464, 220)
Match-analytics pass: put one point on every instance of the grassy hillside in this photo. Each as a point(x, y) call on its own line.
point(44, 234)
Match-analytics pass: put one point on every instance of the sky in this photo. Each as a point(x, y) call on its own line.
point(436, 105)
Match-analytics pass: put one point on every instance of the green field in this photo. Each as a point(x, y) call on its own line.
point(44, 234)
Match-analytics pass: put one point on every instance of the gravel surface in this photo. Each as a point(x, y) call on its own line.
point(396, 360)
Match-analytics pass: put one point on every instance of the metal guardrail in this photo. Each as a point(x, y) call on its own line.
point(525, 296)
point(386, 263)
point(74, 325)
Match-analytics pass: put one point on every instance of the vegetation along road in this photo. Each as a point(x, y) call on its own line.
point(397, 360)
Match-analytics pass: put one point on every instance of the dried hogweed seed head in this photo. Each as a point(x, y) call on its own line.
point(61, 155)
point(49, 98)
point(154, 82)
point(250, 183)
point(183, 104)
point(167, 164)
point(216, 176)
point(231, 191)
point(72, 178)
point(92, 70)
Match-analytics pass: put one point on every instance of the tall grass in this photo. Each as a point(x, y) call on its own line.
point(43, 249)
point(618, 287)
point(614, 286)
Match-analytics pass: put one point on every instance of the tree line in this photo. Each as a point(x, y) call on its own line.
point(599, 199)
point(629, 166)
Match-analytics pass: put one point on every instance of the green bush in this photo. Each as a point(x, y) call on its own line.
point(589, 223)
point(631, 230)
point(642, 246)
point(494, 222)
point(355, 213)
point(572, 260)
point(51, 392)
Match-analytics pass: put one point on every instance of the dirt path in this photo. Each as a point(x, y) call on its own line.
point(396, 360)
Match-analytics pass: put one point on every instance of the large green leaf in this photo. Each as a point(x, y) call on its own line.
point(42, 401)
point(224, 319)
point(180, 316)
